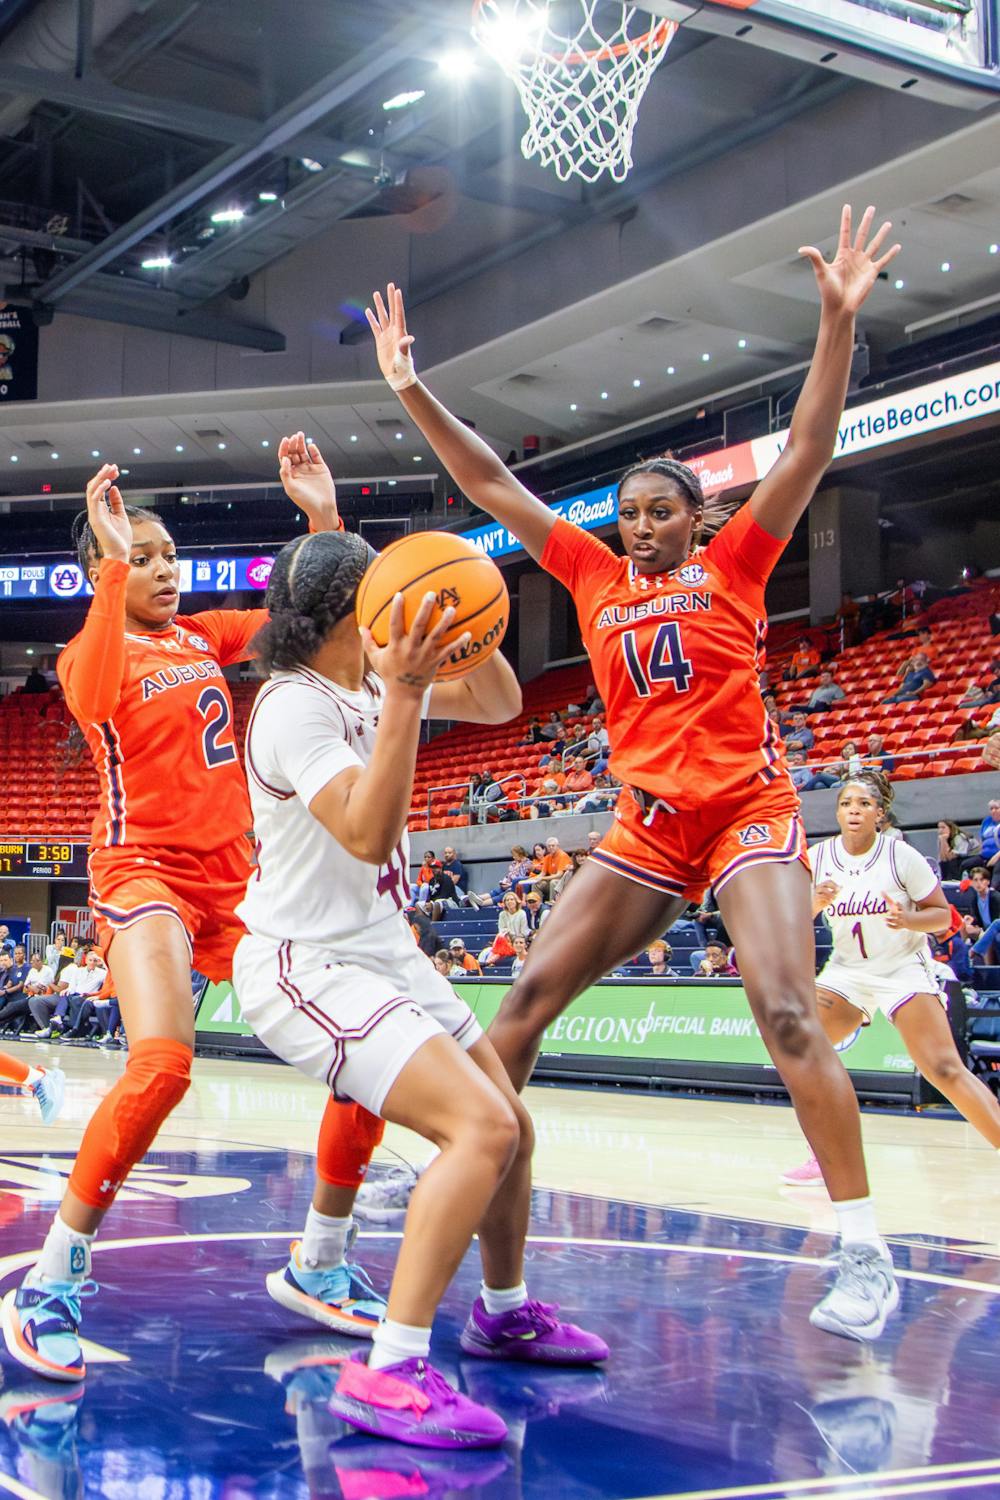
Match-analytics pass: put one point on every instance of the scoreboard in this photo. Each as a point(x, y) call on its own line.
point(59, 860)
point(206, 573)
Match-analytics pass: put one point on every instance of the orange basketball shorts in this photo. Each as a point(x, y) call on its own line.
point(201, 891)
point(682, 854)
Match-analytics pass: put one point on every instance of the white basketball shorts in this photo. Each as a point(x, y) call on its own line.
point(352, 1022)
point(864, 987)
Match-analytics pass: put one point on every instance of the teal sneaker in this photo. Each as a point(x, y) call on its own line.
point(50, 1091)
point(341, 1297)
point(41, 1327)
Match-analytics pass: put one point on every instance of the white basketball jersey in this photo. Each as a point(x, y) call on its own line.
point(856, 916)
point(304, 730)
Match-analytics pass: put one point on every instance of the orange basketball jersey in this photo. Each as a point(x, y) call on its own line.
point(675, 658)
point(158, 718)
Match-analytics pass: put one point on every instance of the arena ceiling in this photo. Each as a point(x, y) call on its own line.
point(542, 307)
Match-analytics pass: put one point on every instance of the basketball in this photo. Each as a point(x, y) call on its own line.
point(458, 574)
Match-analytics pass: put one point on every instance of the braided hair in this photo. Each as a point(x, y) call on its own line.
point(874, 781)
point(88, 548)
point(714, 513)
point(313, 585)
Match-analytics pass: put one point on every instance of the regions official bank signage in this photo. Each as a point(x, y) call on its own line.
point(922, 409)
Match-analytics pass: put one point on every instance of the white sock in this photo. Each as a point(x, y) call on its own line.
point(34, 1074)
point(856, 1221)
point(65, 1255)
point(504, 1301)
point(394, 1342)
point(324, 1240)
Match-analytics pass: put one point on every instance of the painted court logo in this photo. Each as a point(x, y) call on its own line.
point(756, 833)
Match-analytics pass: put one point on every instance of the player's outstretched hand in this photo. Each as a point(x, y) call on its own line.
point(106, 514)
point(827, 891)
point(306, 479)
point(894, 914)
point(410, 662)
point(845, 282)
point(392, 342)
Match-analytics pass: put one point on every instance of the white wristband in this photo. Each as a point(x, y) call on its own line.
point(403, 373)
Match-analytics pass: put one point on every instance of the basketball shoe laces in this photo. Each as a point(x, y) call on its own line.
point(855, 1266)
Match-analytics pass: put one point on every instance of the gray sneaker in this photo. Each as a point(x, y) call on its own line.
point(862, 1296)
point(381, 1200)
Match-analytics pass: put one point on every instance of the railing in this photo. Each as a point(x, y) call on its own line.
point(482, 807)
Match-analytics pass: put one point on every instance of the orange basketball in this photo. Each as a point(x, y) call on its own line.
point(458, 574)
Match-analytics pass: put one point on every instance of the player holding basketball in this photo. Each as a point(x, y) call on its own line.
point(170, 860)
point(675, 633)
point(46, 1085)
point(329, 976)
point(880, 899)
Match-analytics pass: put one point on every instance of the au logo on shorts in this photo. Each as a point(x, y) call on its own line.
point(756, 833)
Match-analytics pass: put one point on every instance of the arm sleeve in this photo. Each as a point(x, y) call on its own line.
point(229, 632)
point(298, 744)
point(91, 668)
point(918, 879)
point(745, 552)
point(574, 556)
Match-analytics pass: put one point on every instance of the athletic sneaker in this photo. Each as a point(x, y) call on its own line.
point(50, 1091)
point(857, 1432)
point(413, 1403)
point(862, 1296)
point(43, 1424)
point(41, 1327)
point(384, 1199)
point(531, 1333)
point(341, 1297)
point(808, 1175)
point(378, 1472)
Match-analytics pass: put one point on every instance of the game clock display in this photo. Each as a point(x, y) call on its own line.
point(43, 861)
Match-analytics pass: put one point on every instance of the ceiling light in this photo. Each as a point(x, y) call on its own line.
point(741, 343)
point(53, 455)
point(29, 650)
point(267, 197)
point(456, 64)
point(124, 471)
point(705, 358)
point(400, 101)
point(265, 442)
point(185, 500)
point(392, 483)
point(14, 458)
point(157, 262)
point(637, 383)
point(399, 437)
point(946, 265)
point(994, 249)
point(572, 406)
point(310, 163)
point(228, 216)
point(506, 36)
point(899, 283)
point(221, 445)
point(137, 451)
point(604, 395)
point(95, 452)
point(354, 437)
point(671, 370)
point(418, 458)
point(178, 447)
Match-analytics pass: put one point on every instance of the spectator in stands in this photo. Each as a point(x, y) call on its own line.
point(594, 703)
point(598, 745)
point(461, 959)
point(988, 853)
point(76, 984)
point(849, 763)
point(59, 953)
point(484, 791)
point(875, 754)
point(554, 861)
point(659, 953)
point(804, 662)
point(535, 910)
point(13, 1000)
point(918, 677)
point(578, 858)
point(547, 801)
point(520, 954)
point(512, 920)
point(826, 693)
point(428, 939)
point(41, 978)
point(444, 965)
point(443, 888)
point(804, 778)
point(6, 941)
point(604, 794)
point(715, 963)
point(986, 948)
point(770, 703)
point(796, 732)
point(982, 903)
point(453, 866)
point(578, 778)
point(576, 745)
point(422, 890)
point(534, 734)
point(953, 846)
point(952, 948)
point(594, 838)
point(554, 732)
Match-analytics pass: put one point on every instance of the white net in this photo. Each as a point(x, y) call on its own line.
point(581, 68)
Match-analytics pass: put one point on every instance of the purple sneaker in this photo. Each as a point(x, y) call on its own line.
point(413, 1403)
point(532, 1333)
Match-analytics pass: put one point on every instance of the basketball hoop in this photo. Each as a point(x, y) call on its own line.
point(580, 88)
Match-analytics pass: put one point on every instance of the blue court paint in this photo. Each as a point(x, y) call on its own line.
point(717, 1382)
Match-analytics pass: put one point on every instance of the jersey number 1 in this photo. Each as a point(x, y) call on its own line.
point(666, 661)
point(213, 705)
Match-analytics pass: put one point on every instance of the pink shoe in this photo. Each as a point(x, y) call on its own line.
point(807, 1175)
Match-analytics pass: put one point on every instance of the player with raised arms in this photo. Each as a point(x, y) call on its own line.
point(170, 859)
point(880, 899)
point(47, 1086)
point(329, 976)
point(675, 632)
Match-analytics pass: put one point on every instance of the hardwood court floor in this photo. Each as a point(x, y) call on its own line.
point(660, 1221)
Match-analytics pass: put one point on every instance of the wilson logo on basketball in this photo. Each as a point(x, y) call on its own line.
point(757, 833)
point(474, 648)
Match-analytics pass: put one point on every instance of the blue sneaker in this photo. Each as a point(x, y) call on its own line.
point(50, 1091)
point(342, 1298)
point(41, 1327)
point(43, 1425)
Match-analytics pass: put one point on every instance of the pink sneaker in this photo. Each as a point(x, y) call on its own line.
point(413, 1403)
point(808, 1175)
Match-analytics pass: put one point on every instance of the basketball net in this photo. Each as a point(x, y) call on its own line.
point(580, 88)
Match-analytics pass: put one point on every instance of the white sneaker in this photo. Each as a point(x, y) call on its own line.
point(382, 1200)
point(862, 1296)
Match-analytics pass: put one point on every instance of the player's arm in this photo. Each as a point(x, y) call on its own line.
point(365, 808)
point(933, 914)
point(472, 463)
point(823, 894)
point(92, 668)
point(307, 481)
point(489, 695)
point(784, 493)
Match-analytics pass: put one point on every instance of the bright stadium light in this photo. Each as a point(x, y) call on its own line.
point(157, 263)
point(457, 64)
point(228, 216)
point(402, 101)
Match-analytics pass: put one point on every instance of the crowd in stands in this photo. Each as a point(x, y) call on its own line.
point(64, 994)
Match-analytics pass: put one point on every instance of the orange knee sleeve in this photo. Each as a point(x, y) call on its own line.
point(347, 1138)
point(123, 1128)
point(12, 1070)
